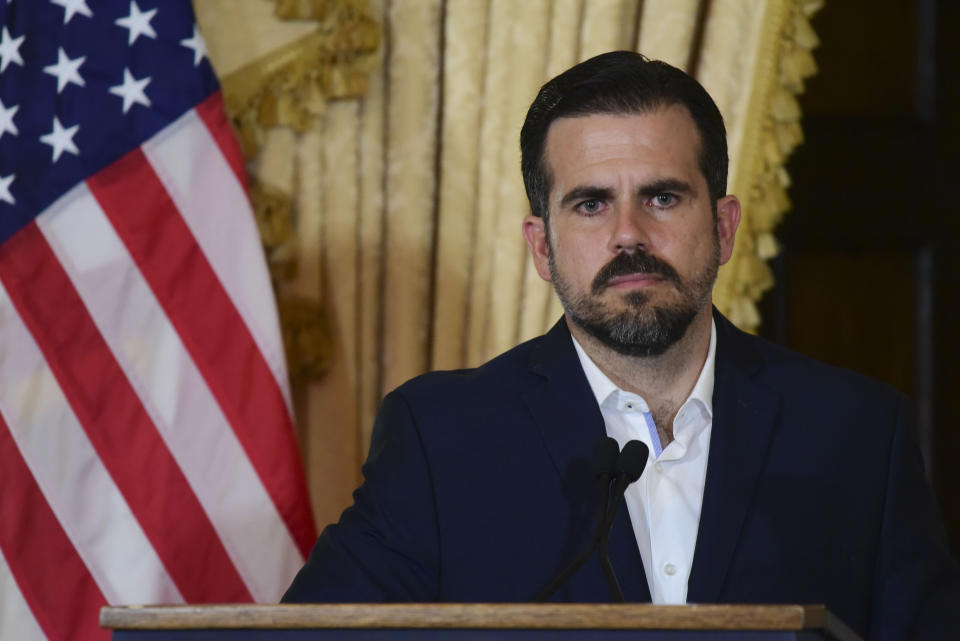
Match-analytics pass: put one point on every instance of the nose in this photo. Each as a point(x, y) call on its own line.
point(629, 232)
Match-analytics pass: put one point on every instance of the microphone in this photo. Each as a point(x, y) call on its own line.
point(615, 470)
point(630, 465)
point(605, 459)
point(605, 456)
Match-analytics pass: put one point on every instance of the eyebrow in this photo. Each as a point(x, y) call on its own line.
point(586, 192)
point(666, 185)
point(649, 190)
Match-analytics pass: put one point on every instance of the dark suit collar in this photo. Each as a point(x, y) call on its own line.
point(735, 347)
point(563, 403)
point(570, 422)
point(744, 416)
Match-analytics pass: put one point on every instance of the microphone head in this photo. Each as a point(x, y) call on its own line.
point(632, 460)
point(605, 456)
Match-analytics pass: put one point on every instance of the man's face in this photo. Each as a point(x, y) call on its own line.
point(633, 247)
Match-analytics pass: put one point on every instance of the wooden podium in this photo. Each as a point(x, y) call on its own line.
point(474, 621)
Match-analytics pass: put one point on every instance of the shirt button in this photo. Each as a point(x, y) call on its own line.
point(670, 569)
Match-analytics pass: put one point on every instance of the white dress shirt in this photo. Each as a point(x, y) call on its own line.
point(664, 504)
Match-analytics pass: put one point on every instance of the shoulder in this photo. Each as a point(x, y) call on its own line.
point(505, 386)
point(794, 375)
point(457, 413)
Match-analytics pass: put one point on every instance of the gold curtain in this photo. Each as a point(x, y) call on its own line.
point(408, 200)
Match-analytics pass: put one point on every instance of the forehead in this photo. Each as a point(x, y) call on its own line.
point(661, 143)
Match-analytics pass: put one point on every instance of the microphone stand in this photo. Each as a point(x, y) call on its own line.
point(567, 572)
point(629, 467)
point(612, 583)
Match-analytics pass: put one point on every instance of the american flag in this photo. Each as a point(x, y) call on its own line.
point(146, 446)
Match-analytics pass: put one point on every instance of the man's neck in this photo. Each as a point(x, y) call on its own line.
point(664, 381)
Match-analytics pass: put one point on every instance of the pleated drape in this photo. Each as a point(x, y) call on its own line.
point(409, 200)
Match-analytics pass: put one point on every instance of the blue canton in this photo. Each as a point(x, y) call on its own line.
point(84, 82)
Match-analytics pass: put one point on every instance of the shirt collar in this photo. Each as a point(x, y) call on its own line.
point(602, 387)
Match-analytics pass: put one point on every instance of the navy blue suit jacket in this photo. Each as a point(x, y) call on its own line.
point(478, 488)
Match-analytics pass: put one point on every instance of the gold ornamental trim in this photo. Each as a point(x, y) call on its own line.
point(773, 132)
point(291, 85)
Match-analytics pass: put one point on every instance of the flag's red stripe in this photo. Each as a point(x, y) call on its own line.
point(54, 582)
point(212, 331)
point(215, 118)
point(116, 423)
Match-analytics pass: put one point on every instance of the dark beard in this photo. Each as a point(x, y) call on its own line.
point(641, 329)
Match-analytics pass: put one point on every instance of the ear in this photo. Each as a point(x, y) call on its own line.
point(728, 219)
point(535, 233)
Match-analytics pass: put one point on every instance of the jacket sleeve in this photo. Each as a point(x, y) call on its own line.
point(917, 588)
point(385, 546)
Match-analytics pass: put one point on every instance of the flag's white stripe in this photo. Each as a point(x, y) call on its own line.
point(16, 619)
point(68, 471)
point(174, 394)
point(216, 209)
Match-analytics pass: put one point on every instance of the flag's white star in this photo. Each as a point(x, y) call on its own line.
point(6, 119)
point(66, 70)
point(10, 50)
point(71, 7)
point(198, 44)
point(5, 194)
point(132, 90)
point(61, 139)
point(138, 23)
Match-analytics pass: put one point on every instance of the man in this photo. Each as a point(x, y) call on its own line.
point(772, 478)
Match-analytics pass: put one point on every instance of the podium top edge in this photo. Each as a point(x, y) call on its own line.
point(473, 615)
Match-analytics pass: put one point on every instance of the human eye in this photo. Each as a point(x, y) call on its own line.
point(663, 200)
point(590, 207)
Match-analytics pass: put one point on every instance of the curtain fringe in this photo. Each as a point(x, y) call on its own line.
point(785, 61)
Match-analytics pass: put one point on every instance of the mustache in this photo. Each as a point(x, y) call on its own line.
point(635, 262)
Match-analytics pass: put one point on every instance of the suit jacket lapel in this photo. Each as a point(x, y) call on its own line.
point(561, 401)
point(743, 421)
point(570, 422)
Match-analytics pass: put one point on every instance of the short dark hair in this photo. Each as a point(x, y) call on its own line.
point(619, 82)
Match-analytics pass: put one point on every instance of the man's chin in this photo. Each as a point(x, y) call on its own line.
point(645, 346)
point(646, 331)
